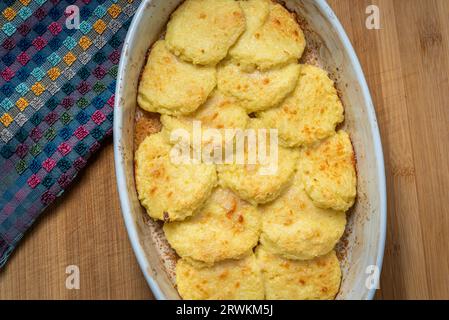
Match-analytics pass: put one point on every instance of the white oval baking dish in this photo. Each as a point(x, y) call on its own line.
point(365, 240)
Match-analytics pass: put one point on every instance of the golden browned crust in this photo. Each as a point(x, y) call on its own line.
point(172, 86)
point(225, 228)
point(328, 172)
point(227, 280)
point(202, 31)
point(317, 279)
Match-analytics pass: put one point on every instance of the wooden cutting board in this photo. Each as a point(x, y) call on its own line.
point(406, 63)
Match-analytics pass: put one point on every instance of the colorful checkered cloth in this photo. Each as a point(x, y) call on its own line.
point(56, 99)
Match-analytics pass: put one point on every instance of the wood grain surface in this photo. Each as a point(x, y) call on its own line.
point(406, 63)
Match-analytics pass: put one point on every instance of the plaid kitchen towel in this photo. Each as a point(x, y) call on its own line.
point(58, 68)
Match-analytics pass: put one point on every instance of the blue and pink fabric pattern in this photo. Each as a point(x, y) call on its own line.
point(56, 100)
